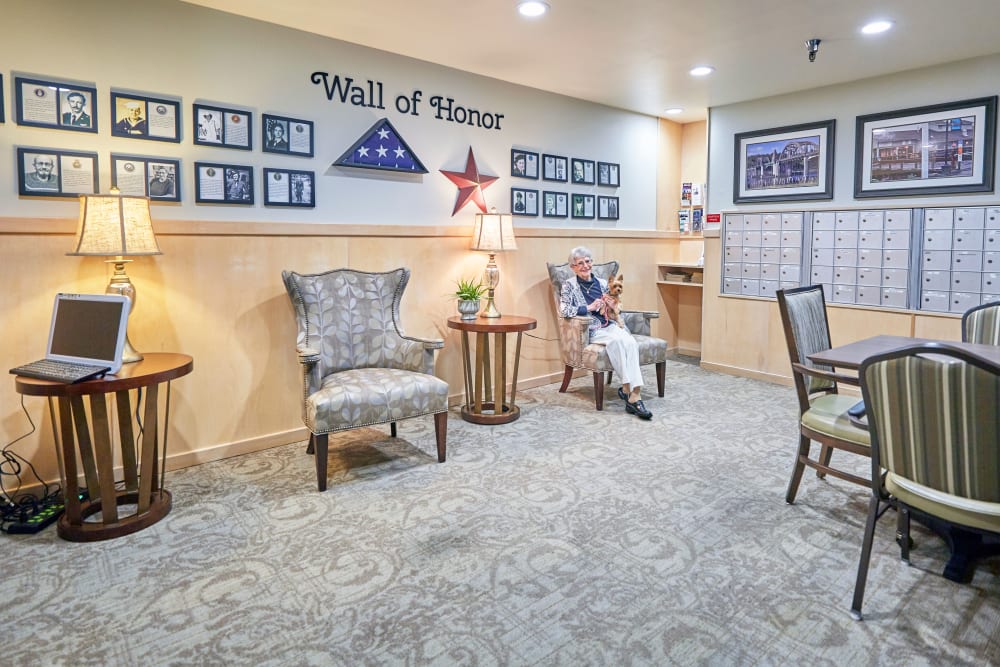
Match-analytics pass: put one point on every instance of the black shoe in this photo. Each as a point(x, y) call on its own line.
point(638, 409)
point(622, 395)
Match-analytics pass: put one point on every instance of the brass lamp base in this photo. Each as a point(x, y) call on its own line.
point(491, 308)
point(120, 284)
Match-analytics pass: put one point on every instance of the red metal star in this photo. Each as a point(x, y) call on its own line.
point(470, 184)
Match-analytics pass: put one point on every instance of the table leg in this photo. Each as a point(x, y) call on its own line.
point(86, 448)
point(147, 457)
point(500, 372)
point(477, 407)
point(467, 368)
point(483, 339)
point(71, 492)
point(513, 379)
point(125, 433)
point(104, 459)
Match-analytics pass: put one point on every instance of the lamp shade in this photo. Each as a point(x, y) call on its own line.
point(115, 225)
point(494, 232)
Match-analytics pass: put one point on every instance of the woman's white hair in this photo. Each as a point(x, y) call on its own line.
point(578, 252)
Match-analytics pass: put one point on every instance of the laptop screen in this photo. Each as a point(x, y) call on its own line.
point(89, 328)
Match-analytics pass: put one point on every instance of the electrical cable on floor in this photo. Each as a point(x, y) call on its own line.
point(15, 504)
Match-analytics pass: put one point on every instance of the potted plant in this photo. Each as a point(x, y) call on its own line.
point(468, 293)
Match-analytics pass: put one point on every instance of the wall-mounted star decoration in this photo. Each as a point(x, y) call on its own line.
point(470, 184)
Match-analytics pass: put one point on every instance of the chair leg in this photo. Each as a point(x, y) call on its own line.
point(793, 483)
point(825, 453)
point(311, 447)
point(567, 376)
point(866, 554)
point(903, 533)
point(392, 429)
point(321, 451)
point(599, 389)
point(661, 376)
point(608, 380)
point(441, 433)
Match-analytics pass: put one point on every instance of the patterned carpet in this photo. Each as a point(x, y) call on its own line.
point(570, 537)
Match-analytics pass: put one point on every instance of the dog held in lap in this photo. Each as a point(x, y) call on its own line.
point(612, 306)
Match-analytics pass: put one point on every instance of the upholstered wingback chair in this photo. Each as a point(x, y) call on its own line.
point(982, 324)
point(358, 369)
point(574, 336)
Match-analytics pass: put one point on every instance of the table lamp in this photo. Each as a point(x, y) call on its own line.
point(116, 226)
point(493, 233)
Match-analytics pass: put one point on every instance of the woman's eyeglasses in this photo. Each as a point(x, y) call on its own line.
point(583, 262)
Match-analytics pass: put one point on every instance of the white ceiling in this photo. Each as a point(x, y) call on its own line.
point(635, 54)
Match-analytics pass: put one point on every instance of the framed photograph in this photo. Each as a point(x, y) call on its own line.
point(291, 136)
point(52, 104)
point(223, 183)
point(289, 187)
point(47, 172)
point(2, 118)
point(554, 168)
point(555, 205)
point(934, 150)
point(582, 172)
point(607, 208)
point(142, 176)
point(523, 202)
point(226, 128)
point(583, 206)
point(523, 164)
point(784, 163)
point(608, 174)
point(140, 117)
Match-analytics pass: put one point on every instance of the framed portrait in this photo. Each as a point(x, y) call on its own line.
point(223, 183)
point(784, 163)
point(52, 104)
point(290, 136)
point(555, 205)
point(583, 206)
point(608, 174)
point(226, 128)
point(49, 172)
point(523, 164)
point(523, 202)
point(582, 172)
point(607, 208)
point(555, 168)
point(933, 150)
point(139, 117)
point(289, 187)
point(142, 176)
point(2, 118)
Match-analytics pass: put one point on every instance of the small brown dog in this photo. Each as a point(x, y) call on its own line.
point(612, 306)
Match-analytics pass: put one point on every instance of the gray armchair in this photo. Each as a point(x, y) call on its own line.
point(574, 337)
point(358, 369)
point(982, 324)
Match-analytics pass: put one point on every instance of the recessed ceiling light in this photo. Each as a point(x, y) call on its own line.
point(875, 27)
point(701, 70)
point(674, 110)
point(532, 8)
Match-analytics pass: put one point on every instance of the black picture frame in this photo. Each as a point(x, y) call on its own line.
point(804, 168)
point(69, 174)
point(214, 183)
point(289, 187)
point(297, 139)
point(222, 127)
point(136, 116)
point(555, 204)
point(607, 207)
point(583, 206)
point(940, 149)
point(524, 202)
point(523, 164)
point(608, 174)
point(158, 178)
point(555, 168)
point(53, 104)
point(582, 171)
point(2, 117)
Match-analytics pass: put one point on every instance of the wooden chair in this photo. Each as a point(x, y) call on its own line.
point(981, 324)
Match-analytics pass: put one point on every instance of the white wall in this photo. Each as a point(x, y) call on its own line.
point(171, 49)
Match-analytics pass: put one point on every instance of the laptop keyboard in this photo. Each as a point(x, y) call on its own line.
point(60, 371)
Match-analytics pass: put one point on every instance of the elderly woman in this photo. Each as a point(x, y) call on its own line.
point(584, 296)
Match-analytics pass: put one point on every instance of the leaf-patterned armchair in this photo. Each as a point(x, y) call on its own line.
point(574, 336)
point(358, 369)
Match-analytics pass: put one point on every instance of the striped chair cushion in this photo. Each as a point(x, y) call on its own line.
point(983, 325)
point(811, 333)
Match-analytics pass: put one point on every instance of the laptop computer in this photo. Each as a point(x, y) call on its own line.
point(86, 338)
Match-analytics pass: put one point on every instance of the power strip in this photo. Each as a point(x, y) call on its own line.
point(38, 519)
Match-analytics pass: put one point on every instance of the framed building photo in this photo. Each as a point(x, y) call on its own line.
point(608, 174)
point(142, 176)
point(583, 206)
point(2, 118)
point(607, 208)
point(289, 187)
point(554, 168)
point(523, 202)
point(223, 183)
point(46, 172)
point(140, 117)
point(52, 104)
point(582, 172)
point(523, 164)
point(291, 136)
point(788, 163)
point(555, 205)
point(227, 128)
point(933, 150)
